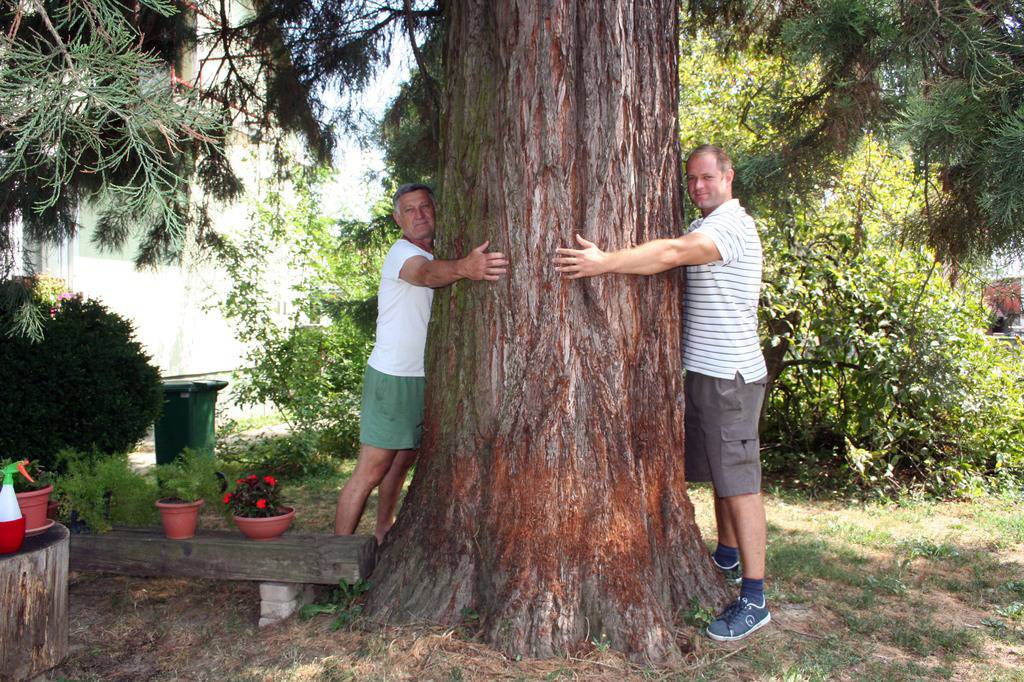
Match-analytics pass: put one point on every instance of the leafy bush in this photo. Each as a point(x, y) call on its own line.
point(310, 363)
point(295, 456)
point(191, 476)
point(86, 384)
point(886, 376)
point(314, 375)
point(102, 491)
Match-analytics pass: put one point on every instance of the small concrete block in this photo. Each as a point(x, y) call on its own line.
point(278, 609)
point(264, 622)
point(280, 592)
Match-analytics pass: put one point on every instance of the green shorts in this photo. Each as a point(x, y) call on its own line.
point(392, 414)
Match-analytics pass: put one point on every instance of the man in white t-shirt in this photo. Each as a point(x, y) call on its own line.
point(725, 369)
point(391, 420)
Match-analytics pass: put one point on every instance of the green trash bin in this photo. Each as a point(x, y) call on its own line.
point(187, 420)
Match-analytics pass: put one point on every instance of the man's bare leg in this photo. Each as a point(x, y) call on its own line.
point(389, 491)
point(724, 524)
point(746, 514)
point(750, 612)
point(371, 468)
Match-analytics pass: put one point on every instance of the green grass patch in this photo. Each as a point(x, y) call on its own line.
point(859, 619)
point(1007, 527)
point(924, 548)
point(918, 634)
point(820, 662)
point(858, 535)
point(1013, 611)
point(900, 671)
point(795, 555)
point(890, 582)
point(228, 426)
point(1014, 586)
point(914, 632)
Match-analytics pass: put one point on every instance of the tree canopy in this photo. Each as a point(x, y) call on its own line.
point(100, 101)
point(945, 77)
point(88, 108)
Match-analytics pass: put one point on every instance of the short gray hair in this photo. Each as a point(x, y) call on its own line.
point(413, 187)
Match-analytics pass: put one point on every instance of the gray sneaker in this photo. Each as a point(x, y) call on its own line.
point(739, 619)
point(733, 574)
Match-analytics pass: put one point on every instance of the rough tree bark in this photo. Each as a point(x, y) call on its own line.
point(549, 499)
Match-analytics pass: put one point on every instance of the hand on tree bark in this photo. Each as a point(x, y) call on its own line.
point(585, 262)
point(480, 265)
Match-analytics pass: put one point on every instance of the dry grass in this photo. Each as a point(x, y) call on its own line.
point(858, 592)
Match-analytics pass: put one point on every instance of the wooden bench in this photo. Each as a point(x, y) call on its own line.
point(287, 568)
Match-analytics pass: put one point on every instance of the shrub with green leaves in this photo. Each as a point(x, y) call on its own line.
point(191, 476)
point(293, 456)
point(104, 491)
point(86, 384)
point(310, 363)
point(888, 377)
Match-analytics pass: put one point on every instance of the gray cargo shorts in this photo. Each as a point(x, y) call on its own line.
point(722, 444)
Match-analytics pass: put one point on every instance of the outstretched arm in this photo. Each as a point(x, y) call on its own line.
point(649, 258)
point(439, 273)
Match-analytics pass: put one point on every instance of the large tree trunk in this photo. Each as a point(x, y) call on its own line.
point(549, 499)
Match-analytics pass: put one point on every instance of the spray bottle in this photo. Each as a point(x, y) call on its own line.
point(12, 523)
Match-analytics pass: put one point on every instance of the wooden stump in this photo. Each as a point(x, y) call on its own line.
point(34, 606)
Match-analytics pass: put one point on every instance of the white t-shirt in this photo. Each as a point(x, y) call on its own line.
point(720, 318)
point(403, 312)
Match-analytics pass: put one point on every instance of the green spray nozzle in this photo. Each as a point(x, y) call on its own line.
point(15, 466)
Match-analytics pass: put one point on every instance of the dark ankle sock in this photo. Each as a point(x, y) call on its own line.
point(726, 556)
point(753, 590)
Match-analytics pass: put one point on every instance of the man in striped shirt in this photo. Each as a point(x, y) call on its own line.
point(725, 369)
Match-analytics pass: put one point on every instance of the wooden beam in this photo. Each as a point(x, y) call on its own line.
point(221, 555)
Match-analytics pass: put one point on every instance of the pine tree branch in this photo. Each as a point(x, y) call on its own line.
point(58, 41)
point(410, 27)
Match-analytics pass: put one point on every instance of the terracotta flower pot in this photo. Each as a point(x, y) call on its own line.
point(52, 507)
point(266, 528)
point(179, 518)
point(33, 507)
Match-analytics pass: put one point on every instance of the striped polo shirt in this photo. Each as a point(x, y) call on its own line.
point(720, 319)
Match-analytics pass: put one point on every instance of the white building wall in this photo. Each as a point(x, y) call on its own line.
point(174, 309)
point(171, 311)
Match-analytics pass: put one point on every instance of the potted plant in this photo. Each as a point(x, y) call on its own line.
point(255, 506)
point(33, 497)
point(184, 485)
point(99, 491)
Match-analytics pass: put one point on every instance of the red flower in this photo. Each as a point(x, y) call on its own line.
point(252, 477)
point(261, 504)
point(239, 481)
point(227, 498)
point(270, 480)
